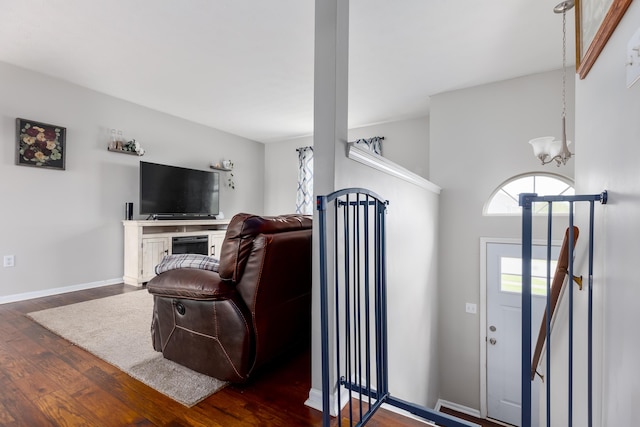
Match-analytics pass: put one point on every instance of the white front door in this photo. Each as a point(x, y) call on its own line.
point(504, 330)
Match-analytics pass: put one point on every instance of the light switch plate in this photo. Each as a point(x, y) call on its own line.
point(8, 261)
point(633, 59)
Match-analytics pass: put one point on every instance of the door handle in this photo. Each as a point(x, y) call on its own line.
point(492, 341)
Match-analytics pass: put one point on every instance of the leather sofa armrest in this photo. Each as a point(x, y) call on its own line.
point(191, 283)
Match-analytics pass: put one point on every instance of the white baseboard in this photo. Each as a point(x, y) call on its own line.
point(458, 408)
point(56, 291)
point(315, 401)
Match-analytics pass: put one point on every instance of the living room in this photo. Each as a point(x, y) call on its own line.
point(64, 227)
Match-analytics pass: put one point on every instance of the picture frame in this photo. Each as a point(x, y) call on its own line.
point(595, 22)
point(40, 144)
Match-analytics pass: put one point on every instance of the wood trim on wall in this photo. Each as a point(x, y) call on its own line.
point(600, 39)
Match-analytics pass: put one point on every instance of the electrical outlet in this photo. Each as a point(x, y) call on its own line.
point(471, 308)
point(9, 261)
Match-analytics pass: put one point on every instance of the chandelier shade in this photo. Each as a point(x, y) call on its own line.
point(541, 146)
point(547, 149)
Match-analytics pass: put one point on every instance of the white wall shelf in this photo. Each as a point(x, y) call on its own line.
point(221, 169)
point(387, 166)
point(115, 150)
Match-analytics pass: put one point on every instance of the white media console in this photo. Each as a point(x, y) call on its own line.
point(147, 241)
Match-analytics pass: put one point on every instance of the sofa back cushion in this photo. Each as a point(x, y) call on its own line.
point(241, 232)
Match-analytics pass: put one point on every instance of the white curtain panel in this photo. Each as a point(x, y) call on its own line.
point(304, 202)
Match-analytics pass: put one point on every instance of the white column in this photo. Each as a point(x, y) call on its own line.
point(330, 135)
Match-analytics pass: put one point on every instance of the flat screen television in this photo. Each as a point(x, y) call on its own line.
point(178, 193)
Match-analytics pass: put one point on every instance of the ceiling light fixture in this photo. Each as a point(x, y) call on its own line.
point(547, 148)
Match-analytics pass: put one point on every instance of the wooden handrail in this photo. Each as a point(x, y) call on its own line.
point(556, 287)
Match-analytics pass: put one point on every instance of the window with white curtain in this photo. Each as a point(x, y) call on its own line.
point(304, 198)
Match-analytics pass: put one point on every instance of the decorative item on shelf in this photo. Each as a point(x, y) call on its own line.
point(118, 144)
point(228, 164)
point(225, 166)
point(113, 141)
point(547, 148)
point(133, 146)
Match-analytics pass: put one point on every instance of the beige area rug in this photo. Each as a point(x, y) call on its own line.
point(117, 330)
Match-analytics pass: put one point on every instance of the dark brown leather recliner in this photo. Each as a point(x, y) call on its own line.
point(226, 324)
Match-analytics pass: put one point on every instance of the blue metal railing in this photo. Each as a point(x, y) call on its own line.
point(354, 325)
point(526, 202)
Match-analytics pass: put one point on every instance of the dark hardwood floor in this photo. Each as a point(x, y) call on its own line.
point(47, 381)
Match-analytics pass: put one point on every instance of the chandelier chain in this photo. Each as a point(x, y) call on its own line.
point(547, 149)
point(564, 61)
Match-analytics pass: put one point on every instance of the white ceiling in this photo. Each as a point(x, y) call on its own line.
point(246, 66)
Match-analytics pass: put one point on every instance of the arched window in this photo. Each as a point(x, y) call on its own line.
point(504, 200)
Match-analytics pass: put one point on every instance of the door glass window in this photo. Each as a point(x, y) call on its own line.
point(511, 275)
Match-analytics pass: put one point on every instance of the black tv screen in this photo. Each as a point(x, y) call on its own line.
point(172, 191)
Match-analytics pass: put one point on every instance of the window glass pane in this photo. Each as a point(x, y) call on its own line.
point(558, 208)
point(511, 275)
point(522, 185)
point(505, 200)
point(548, 186)
point(503, 203)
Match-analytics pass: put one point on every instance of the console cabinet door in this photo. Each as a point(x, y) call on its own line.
point(153, 250)
point(215, 243)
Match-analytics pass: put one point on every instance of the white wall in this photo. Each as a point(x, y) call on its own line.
point(281, 175)
point(478, 140)
point(411, 223)
point(64, 227)
point(412, 272)
point(412, 258)
point(406, 143)
point(608, 131)
point(411, 244)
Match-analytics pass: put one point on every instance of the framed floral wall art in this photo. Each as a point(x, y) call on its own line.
point(40, 144)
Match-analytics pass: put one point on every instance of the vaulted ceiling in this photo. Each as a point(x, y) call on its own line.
point(246, 66)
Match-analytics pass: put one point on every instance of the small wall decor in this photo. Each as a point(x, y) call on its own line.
point(40, 144)
point(225, 166)
point(228, 164)
point(118, 144)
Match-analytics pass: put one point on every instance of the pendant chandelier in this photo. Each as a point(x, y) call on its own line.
point(547, 148)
